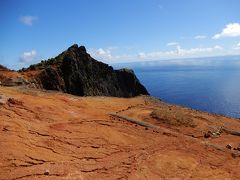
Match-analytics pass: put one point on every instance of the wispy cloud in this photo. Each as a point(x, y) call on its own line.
point(200, 37)
point(230, 30)
point(28, 20)
point(237, 47)
point(27, 57)
point(178, 52)
point(172, 44)
point(193, 51)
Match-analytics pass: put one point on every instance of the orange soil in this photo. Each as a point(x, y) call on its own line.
point(14, 74)
point(51, 135)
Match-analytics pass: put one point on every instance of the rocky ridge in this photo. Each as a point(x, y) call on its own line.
point(74, 71)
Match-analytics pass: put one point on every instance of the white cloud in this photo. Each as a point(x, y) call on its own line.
point(172, 44)
point(27, 57)
point(200, 37)
point(28, 20)
point(155, 55)
point(179, 52)
point(141, 55)
point(231, 30)
point(237, 47)
point(192, 51)
point(106, 55)
point(102, 53)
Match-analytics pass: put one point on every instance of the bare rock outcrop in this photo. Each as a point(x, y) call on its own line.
point(75, 72)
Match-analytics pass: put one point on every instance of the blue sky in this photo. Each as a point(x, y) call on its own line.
point(118, 31)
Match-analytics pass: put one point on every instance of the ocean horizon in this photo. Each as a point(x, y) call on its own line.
point(205, 84)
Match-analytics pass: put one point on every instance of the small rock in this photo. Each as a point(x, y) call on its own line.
point(238, 148)
point(213, 134)
point(235, 154)
point(15, 101)
point(207, 135)
point(46, 172)
point(229, 146)
point(3, 100)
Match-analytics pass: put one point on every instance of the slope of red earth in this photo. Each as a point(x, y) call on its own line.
point(51, 135)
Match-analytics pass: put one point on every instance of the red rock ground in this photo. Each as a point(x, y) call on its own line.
point(51, 135)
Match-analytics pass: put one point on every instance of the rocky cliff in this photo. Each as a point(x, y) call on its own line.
point(74, 71)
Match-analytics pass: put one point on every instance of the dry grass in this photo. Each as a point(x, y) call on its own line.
point(174, 118)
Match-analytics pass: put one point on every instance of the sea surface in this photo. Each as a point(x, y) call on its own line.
point(206, 84)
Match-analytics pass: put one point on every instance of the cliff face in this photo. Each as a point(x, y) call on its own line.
point(74, 71)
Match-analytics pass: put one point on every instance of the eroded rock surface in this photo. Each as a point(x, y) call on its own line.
point(51, 135)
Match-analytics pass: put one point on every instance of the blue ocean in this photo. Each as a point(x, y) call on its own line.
point(206, 84)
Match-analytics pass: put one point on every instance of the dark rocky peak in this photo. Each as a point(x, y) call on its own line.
point(75, 72)
point(82, 49)
point(73, 53)
point(75, 48)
